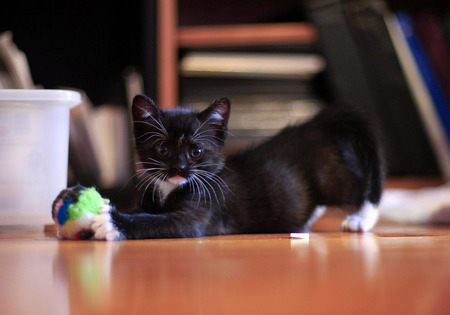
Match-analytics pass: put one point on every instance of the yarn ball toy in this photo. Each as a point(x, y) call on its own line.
point(74, 210)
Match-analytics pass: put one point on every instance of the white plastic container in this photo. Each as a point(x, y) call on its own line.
point(34, 146)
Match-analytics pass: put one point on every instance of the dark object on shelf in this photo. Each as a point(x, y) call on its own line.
point(363, 70)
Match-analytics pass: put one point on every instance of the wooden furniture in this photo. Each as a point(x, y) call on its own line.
point(172, 37)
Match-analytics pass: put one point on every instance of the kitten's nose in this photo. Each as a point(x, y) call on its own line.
point(181, 165)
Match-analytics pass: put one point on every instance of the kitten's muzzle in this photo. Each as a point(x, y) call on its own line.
point(179, 170)
point(179, 167)
point(183, 172)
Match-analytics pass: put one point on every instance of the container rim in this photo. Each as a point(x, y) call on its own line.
point(70, 98)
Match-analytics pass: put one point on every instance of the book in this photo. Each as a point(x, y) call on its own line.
point(426, 90)
point(431, 34)
point(251, 65)
point(363, 71)
point(427, 70)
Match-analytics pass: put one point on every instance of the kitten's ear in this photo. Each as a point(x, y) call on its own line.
point(143, 107)
point(217, 113)
point(216, 117)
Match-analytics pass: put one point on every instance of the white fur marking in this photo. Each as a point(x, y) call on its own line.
point(177, 180)
point(166, 187)
point(216, 116)
point(362, 221)
point(104, 228)
point(317, 213)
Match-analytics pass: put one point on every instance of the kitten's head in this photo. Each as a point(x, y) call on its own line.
point(179, 145)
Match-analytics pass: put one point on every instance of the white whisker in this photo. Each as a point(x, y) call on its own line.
point(202, 187)
point(160, 137)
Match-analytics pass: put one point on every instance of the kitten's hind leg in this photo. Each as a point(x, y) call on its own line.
point(361, 221)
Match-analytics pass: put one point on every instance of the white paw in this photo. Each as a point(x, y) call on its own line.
point(352, 223)
point(104, 228)
point(362, 221)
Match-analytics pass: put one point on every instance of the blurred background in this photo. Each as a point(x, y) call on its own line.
point(279, 62)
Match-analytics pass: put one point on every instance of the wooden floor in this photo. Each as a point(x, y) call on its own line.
point(396, 269)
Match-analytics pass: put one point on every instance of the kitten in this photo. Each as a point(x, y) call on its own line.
point(280, 186)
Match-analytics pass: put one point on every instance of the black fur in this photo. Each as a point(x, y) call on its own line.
point(332, 160)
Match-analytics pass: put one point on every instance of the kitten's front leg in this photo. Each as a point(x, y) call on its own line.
point(361, 221)
point(182, 223)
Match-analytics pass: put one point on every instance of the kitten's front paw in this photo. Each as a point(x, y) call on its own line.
point(362, 221)
point(103, 226)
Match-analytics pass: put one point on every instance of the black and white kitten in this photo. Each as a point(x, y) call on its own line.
point(280, 186)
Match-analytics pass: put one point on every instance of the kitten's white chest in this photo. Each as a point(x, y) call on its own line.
point(167, 186)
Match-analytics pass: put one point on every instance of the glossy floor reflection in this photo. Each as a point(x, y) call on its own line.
point(394, 270)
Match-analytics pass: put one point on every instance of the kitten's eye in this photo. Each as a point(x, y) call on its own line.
point(196, 153)
point(162, 151)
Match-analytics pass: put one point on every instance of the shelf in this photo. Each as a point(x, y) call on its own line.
point(246, 34)
point(172, 37)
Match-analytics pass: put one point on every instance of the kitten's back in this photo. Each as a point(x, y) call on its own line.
point(335, 155)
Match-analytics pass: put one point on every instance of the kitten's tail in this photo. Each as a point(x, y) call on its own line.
point(355, 128)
